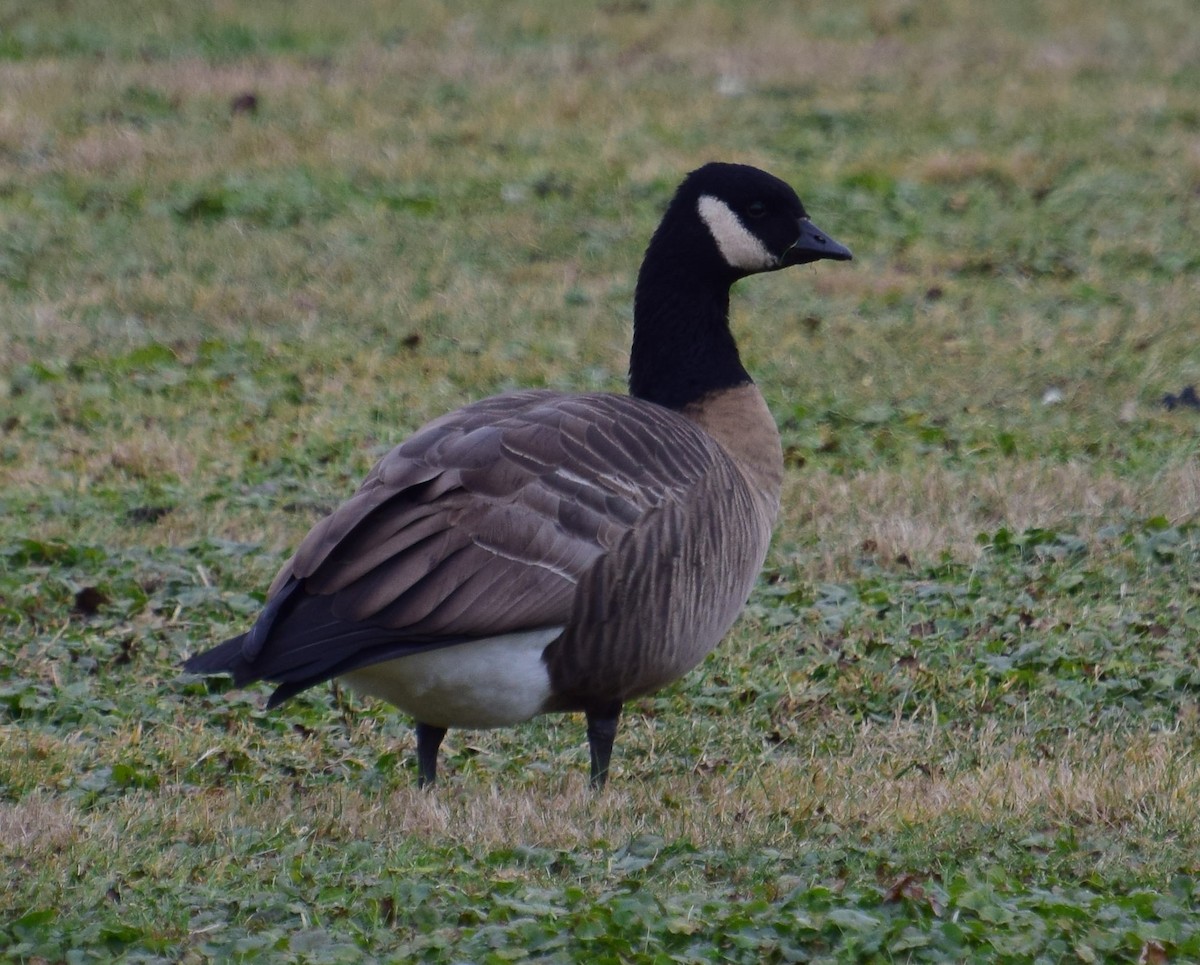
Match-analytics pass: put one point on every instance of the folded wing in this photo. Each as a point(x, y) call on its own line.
point(484, 522)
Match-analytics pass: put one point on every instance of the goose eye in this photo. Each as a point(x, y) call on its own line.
point(756, 209)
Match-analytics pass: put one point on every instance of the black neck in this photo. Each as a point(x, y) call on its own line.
point(682, 346)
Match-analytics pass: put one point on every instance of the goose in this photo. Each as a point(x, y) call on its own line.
point(542, 551)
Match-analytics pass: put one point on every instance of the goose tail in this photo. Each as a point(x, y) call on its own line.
point(228, 657)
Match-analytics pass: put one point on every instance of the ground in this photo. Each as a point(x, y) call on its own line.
point(246, 247)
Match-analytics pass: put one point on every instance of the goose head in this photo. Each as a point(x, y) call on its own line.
point(752, 222)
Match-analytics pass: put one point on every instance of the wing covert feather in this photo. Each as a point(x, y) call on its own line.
point(486, 520)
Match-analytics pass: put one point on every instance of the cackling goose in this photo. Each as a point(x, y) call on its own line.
point(541, 551)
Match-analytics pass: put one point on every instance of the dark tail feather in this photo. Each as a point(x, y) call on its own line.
point(227, 657)
point(309, 644)
point(237, 655)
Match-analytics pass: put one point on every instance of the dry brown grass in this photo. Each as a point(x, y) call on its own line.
point(37, 828)
point(892, 775)
point(941, 510)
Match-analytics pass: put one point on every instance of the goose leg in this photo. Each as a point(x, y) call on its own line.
point(601, 732)
point(429, 739)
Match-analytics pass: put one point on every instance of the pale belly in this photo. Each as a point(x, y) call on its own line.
point(486, 683)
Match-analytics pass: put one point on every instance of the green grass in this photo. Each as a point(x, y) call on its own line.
point(959, 719)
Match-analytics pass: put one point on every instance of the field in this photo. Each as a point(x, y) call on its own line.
point(247, 247)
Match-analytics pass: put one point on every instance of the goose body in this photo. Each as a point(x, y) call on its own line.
point(542, 551)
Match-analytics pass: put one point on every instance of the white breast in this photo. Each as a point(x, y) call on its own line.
point(493, 682)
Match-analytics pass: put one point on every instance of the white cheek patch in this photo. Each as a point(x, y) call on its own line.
point(739, 247)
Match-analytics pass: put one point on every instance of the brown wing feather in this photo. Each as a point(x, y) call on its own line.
point(486, 520)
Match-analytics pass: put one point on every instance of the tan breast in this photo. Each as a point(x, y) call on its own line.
point(740, 421)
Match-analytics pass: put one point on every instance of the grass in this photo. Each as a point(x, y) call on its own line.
point(959, 719)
